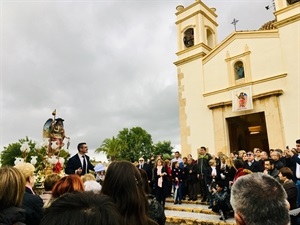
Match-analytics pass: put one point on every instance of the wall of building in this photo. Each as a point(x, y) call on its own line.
point(206, 80)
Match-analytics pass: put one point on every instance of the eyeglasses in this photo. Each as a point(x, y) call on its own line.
point(249, 154)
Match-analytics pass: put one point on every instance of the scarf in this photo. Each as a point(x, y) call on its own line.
point(213, 171)
point(160, 179)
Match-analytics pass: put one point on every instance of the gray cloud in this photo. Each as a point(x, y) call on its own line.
point(104, 65)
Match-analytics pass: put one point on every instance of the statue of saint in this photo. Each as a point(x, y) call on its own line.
point(240, 72)
point(57, 132)
point(54, 130)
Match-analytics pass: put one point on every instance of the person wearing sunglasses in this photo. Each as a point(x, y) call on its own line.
point(251, 164)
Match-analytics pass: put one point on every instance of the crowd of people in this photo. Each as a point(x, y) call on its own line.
point(210, 178)
point(257, 187)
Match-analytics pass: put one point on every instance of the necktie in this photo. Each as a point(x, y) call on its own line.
point(84, 165)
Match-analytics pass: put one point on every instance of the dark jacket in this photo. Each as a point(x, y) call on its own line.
point(292, 163)
point(229, 174)
point(33, 204)
point(208, 177)
point(278, 164)
point(12, 216)
point(156, 211)
point(156, 177)
point(255, 166)
point(191, 171)
point(202, 163)
point(74, 163)
point(221, 201)
point(291, 191)
point(274, 173)
point(177, 172)
point(147, 169)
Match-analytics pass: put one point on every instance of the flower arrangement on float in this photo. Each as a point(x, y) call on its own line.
point(36, 153)
point(47, 157)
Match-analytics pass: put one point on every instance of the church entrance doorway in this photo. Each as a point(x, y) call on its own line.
point(248, 132)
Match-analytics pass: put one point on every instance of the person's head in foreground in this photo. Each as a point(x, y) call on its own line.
point(12, 183)
point(82, 208)
point(67, 184)
point(123, 183)
point(258, 199)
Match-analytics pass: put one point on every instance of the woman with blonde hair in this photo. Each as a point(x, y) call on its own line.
point(241, 154)
point(32, 203)
point(123, 183)
point(87, 177)
point(229, 173)
point(12, 183)
point(90, 183)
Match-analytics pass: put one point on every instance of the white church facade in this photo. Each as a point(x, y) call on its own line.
point(243, 92)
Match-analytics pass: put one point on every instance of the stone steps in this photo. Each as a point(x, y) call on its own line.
point(192, 213)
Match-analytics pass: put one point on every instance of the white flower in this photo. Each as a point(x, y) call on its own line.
point(25, 147)
point(18, 160)
point(38, 146)
point(61, 160)
point(53, 160)
point(33, 160)
point(49, 160)
point(54, 145)
point(45, 142)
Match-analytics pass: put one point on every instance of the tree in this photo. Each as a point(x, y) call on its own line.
point(111, 147)
point(39, 152)
point(131, 144)
point(9, 153)
point(135, 143)
point(163, 148)
point(13, 150)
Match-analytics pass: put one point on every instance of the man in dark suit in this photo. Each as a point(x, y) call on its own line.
point(80, 163)
point(144, 166)
point(253, 165)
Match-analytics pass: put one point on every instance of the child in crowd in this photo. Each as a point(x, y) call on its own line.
point(177, 175)
point(49, 183)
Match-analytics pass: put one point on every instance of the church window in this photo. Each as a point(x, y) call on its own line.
point(239, 70)
point(188, 38)
point(210, 38)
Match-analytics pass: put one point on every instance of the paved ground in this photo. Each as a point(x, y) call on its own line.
point(194, 211)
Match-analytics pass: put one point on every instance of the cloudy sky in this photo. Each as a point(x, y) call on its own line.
point(104, 65)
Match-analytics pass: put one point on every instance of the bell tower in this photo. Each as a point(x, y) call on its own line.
point(196, 37)
point(280, 4)
point(196, 27)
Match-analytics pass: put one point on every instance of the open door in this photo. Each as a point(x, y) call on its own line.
point(248, 132)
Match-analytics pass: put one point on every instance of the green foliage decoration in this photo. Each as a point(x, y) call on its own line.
point(13, 151)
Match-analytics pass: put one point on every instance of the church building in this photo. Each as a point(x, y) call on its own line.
point(241, 93)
